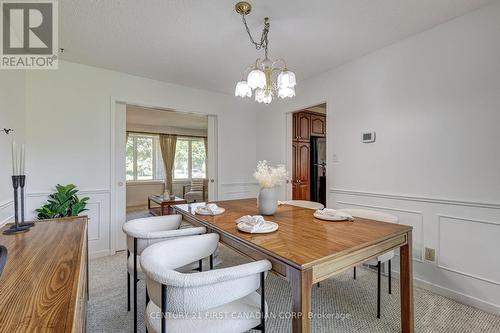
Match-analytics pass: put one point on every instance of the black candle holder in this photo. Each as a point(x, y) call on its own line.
point(18, 181)
point(22, 183)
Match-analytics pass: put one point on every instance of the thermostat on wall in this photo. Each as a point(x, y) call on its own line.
point(368, 137)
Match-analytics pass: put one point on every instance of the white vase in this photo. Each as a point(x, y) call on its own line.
point(267, 201)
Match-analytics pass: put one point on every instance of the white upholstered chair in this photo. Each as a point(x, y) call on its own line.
point(384, 258)
point(217, 301)
point(304, 204)
point(144, 232)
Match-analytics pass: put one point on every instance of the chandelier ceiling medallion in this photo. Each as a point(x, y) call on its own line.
point(266, 78)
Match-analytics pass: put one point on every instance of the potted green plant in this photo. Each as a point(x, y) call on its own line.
point(63, 203)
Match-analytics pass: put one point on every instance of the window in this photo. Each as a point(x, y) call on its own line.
point(190, 159)
point(143, 160)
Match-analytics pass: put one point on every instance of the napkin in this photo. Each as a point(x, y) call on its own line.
point(327, 211)
point(254, 223)
point(210, 207)
point(333, 213)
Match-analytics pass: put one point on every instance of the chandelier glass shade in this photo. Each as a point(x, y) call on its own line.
point(267, 79)
point(267, 82)
point(243, 89)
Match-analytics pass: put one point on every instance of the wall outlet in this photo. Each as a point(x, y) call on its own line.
point(430, 254)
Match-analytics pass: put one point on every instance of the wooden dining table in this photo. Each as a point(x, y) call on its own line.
point(306, 250)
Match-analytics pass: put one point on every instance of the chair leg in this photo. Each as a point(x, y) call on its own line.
point(211, 261)
point(147, 302)
point(163, 308)
point(135, 285)
point(128, 283)
point(263, 302)
point(128, 291)
point(378, 289)
point(389, 278)
point(354, 273)
point(200, 265)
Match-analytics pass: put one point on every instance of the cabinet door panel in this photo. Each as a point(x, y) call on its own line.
point(303, 155)
point(303, 192)
point(304, 128)
point(302, 170)
point(318, 125)
point(294, 162)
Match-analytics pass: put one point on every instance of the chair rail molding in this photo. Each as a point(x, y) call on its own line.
point(443, 201)
point(238, 190)
point(99, 226)
point(418, 236)
point(6, 211)
point(459, 231)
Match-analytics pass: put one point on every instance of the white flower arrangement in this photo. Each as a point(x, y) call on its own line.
point(267, 176)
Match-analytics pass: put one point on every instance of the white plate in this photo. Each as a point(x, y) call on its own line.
point(207, 212)
point(267, 228)
point(331, 217)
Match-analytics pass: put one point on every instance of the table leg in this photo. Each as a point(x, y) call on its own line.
point(406, 282)
point(301, 283)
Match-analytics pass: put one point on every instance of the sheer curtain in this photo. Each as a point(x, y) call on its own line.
point(168, 143)
point(205, 142)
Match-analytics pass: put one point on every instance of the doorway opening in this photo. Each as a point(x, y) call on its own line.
point(161, 158)
point(309, 154)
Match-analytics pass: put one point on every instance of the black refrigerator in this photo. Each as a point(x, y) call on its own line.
point(318, 170)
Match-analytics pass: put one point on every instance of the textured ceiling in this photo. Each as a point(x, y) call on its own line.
point(203, 44)
point(151, 117)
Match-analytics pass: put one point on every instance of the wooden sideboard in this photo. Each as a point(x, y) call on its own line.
point(44, 285)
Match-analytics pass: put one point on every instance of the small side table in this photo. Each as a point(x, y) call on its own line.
point(164, 203)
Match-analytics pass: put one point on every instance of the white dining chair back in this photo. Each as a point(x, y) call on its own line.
point(144, 232)
point(304, 204)
point(194, 296)
point(383, 258)
point(371, 215)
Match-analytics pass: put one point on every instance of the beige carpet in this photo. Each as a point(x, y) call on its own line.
point(352, 303)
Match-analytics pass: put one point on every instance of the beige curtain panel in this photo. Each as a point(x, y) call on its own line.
point(205, 142)
point(168, 143)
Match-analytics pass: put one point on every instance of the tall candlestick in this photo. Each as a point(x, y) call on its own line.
point(21, 167)
point(14, 158)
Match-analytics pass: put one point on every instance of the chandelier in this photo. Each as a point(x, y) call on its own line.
point(266, 78)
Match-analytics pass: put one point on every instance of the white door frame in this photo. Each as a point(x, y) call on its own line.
point(287, 151)
point(212, 134)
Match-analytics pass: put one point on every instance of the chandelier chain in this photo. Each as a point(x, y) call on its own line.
point(263, 38)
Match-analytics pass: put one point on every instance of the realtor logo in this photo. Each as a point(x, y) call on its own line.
point(28, 34)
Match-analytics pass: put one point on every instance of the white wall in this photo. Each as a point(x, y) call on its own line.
point(12, 108)
point(68, 131)
point(434, 101)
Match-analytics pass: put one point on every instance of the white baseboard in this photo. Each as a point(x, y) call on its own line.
point(454, 295)
point(100, 254)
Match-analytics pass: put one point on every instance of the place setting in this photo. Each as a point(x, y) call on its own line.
point(333, 215)
point(210, 209)
point(255, 225)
